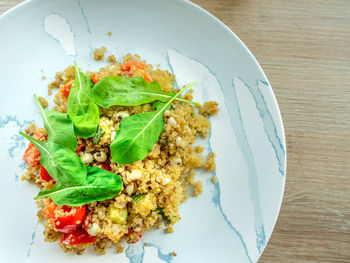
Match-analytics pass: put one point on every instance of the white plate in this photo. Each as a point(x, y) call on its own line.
point(231, 221)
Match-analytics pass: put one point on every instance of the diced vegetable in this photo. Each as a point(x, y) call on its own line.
point(66, 89)
point(81, 146)
point(98, 135)
point(97, 77)
point(77, 237)
point(40, 135)
point(71, 220)
point(145, 204)
point(137, 198)
point(147, 77)
point(32, 154)
point(127, 66)
point(44, 175)
point(118, 215)
point(49, 210)
point(106, 167)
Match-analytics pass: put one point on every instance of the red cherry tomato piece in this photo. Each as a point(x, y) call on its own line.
point(77, 237)
point(73, 218)
point(127, 66)
point(44, 175)
point(65, 90)
point(40, 135)
point(106, 166)
point(32, 154)
point(81, 145)
point(147, 77)
point(49, 210)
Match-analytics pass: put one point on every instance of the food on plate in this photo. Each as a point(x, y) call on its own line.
point(116, 156)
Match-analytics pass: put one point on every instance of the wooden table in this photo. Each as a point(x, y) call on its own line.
point(304, 49)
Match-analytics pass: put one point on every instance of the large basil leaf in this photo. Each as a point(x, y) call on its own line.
point(99, 185)
point(122, 91)
point(61, 163)
point(138, 133)
point(81, 109)
point(59, 128)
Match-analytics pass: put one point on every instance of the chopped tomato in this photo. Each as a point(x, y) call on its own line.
point(146, 77)
point(106, 166)
point(80, 146)
point(44, 175)
point(133, 63)
point(71, 220)
point(132, 236)
point(65, 90)
point(32, 154)
point(40, 135)
point(49, 210)
point(97, 77)
point(77, 237)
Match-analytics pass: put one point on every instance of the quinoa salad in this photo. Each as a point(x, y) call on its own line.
point(116, 156)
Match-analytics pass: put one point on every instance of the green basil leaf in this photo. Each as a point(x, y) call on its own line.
point(59, 128)
point(136, 136)
point(138, 198)
point(122, 91)
point(81, 109)
point(63, 165)
point(138, 133)
point(98, 135)
point(99, 185)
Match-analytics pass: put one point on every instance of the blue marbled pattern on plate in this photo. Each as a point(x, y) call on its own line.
point(247, 135)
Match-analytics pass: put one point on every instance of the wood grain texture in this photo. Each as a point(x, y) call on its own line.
point(304, 49)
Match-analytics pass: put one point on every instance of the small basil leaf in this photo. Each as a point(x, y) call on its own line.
point(123, 91)
point(138, 198)
point(61, 163)
point(98, 135)
point(138, 133)
point(99, 185)
point(81, 109)
point(136, 136)
point(59, 128)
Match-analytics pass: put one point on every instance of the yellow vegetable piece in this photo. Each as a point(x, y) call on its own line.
point(118, 215)
point(145, 205)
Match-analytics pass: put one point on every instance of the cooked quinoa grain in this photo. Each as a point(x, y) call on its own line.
point(43, 102)
point(161, 181)
point(210, 108)
point(111, 58)
point(210, 162)
point(214, 179)
point(99, 53)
